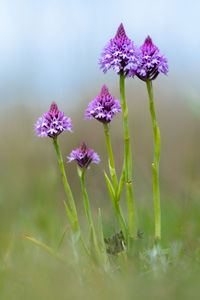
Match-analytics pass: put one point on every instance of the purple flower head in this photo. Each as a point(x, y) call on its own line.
point(52, 123)
point(84, 156)
point(152, 61)
point(120, 54)
point(103, 107)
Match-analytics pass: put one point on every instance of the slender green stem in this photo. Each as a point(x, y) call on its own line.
point(73, 212)
point(86, 200)
point(121, 221)
point(128, 162)
point(155, 164)
point(117, 188)
point(64, 178)
point(116, 205)
point(111, 158)
point(81, 174)
point(121, 181)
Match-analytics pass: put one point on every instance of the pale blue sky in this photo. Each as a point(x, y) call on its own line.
point(49, 48)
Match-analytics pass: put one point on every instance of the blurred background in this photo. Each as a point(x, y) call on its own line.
point(49, 51)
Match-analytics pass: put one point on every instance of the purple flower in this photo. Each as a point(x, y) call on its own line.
point(152, 61)
point(103, 107)
point(84, 156)
point(120, 54)
point(52, 123)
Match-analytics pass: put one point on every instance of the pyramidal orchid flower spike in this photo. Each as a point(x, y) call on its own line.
point(155, 163)
point(124, 57)
point(104, 107)
point(120, 54)
point(52, 123)
point(84, 156)
point(152, 61)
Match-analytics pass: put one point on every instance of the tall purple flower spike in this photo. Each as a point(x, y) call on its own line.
point(84, 156)
point(52, 123)
point(152, 61)
point(120, 54)
point(104, 107)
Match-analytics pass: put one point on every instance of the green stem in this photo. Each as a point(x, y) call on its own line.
point(111, 158)
point(64, 178)
point(116, 206)
point(81, 174)
point(121, 181)
point(117, 188)
point(121, 221)
point(155, 164)
point(75, 225)
point(128, 162)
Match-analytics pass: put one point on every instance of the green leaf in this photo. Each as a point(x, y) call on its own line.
point(92, 242)
point(112, 170)
point(121, 183)
point(115, 204)
point(69, 213)
point(63, 236)
point(101, 235)
point(43, 246)
point(110, 188)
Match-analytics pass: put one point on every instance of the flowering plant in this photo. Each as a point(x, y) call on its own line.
point(127, 60)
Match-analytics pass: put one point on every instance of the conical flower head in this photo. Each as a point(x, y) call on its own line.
point(120, 54)
point(121, 37)
point(84, 156)
point(104, 107)
point(52, 123)
point(152, 61)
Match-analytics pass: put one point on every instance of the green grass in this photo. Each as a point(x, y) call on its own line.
point(170, 270)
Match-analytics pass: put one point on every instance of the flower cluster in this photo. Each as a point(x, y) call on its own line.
point(84, 156)
point(152, 61)
point(103, 107)
point(52, 123)
point(120, 54)
point(124, 57)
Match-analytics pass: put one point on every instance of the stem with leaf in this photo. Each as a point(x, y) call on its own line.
point(128, 162)
point(115, 190)
point(110, 157)
point(155, 164)
point(81, 174)
point(71, 212)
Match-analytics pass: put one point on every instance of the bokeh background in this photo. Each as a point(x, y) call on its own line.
point(49, 51)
